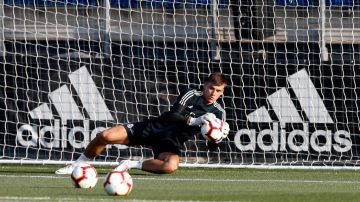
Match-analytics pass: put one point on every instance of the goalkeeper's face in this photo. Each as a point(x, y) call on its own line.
point(212, 92)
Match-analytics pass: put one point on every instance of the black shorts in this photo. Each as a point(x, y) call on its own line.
point(160, 138)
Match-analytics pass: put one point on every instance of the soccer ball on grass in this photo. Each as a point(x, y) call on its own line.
point(118, 183)
point(212, 130)
point(84, 176)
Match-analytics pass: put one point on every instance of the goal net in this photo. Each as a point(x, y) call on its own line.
point(71, 69)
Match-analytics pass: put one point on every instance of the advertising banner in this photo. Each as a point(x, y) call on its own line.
point(51, 109)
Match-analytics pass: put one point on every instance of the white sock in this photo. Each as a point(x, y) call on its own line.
point(135, 164)
point(82, 159)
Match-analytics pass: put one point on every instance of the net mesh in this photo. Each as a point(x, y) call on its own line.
point(73, 68)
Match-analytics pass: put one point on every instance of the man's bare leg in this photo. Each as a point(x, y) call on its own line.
point(165, 163)
point(115, 135)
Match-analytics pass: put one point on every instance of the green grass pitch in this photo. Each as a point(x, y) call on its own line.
point(38, 183)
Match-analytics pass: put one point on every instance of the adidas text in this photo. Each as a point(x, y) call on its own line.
point(61, 136)
point(278, 139)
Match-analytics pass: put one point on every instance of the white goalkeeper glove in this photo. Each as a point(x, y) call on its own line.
point(225, 129)
point(201, 119)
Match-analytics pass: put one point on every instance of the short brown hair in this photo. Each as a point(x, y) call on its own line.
point(217, 78)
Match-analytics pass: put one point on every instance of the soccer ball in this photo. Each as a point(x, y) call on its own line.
point(84, 176)
point(118, 183)
point(212, 130)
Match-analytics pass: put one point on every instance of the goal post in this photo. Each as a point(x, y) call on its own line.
point(71, 69)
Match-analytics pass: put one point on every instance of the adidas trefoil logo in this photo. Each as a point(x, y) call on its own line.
point(277, 138)
point(65, 105)
point(284, 107)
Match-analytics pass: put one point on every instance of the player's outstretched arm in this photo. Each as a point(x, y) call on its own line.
point(201, 119)
point(175, 115)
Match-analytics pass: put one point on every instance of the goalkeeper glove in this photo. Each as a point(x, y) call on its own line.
point(225, 128)
point(201, 119)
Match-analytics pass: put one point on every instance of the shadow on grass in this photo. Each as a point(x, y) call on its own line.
point(27, 171)
point(50, 169)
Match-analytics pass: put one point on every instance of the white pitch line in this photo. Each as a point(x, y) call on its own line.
point(201, 179)
point(15, 198)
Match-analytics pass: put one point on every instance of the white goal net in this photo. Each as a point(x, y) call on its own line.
point(70, 69)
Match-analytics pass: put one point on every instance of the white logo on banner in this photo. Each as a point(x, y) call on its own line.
point(64, 103)
point(286, 112)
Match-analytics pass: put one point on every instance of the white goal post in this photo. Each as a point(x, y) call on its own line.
point(71, 68)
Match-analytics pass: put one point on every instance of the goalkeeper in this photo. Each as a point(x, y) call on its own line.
point(167, 133)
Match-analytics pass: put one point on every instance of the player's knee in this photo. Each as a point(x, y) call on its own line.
point(115, 135)
point(170, 167)
point(104, 137)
